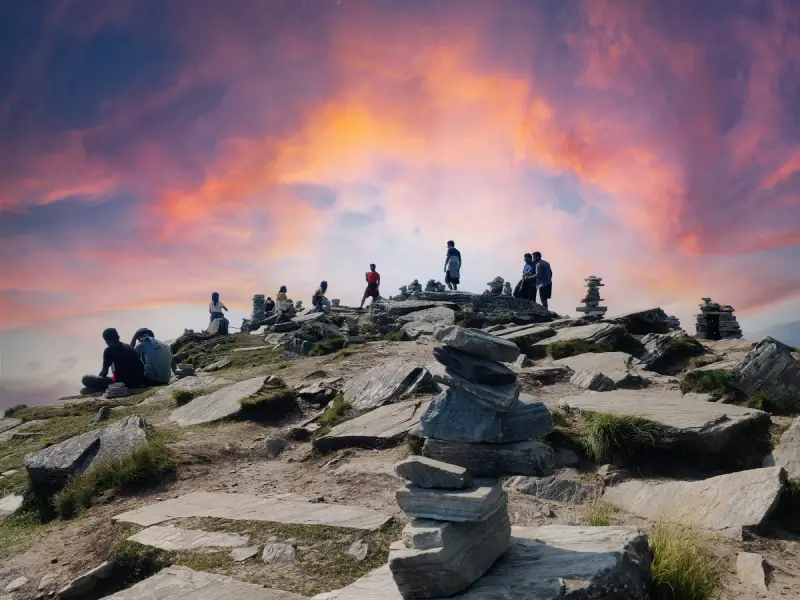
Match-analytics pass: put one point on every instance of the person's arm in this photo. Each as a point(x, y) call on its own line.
point(133, 340)
point(225, 308)
point(539, 271)
point(378, 283)
point(106, 363)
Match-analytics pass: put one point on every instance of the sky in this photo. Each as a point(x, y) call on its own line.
point(154, 152)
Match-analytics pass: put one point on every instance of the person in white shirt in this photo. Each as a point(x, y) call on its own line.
point(216, 307)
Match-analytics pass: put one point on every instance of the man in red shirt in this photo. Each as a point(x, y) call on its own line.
point(373, 283)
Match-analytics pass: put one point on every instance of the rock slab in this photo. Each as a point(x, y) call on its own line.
point(570, 490)
point(384, 384)
point(218, 405)
point(478, 343)
point(176, 538)
point(787, 452)
point(772, 368)
point(500, 398)
point(474, 368)
point(622, 369)
point(472, 504)
point(606, 334)
point(10, 504)
point(750, 568)
point(494, 460)
point(428, 473)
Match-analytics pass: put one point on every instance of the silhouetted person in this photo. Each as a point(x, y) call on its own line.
point(544, 278)
point(373, 283)
point(128, 368)
point(452, 266)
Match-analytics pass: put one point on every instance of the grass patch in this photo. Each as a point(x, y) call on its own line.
point(684, 566)
point(339, 410)
point(565, 348)
point(182, 397)
point(145, 466)
point(328, 346)
point(608, 438)
point(717, 383)
point(344, 353)
point(598, 514)
point(269, 404)
point(17, 532)
point(702, 361)
point(761, 401)
point(241, 360)
point(396, 336)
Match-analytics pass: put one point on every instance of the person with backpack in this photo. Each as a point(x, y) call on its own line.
point(544, 278)
point(319, 301)
point(156, 357)
point(452, 266)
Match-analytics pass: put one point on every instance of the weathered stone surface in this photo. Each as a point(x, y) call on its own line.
point(379, 428)
point(50, 468)
point(452, 416)
point(7, 427)
point(286, 326)
point(545, 563)
point(198, 382)
point(566, 458)
point(310, 318)
point(494, 460)
point(607, 335)
point(526, 336)
point(544, 375)
point(722, 365)
point(384, 384)
point(592, 380)
point(82, 584)
point(277, 554)
point(243, 554)
point(473, 368)
point(358, 550)
point(642, 322)
point(274, 445)
point(415, 329)
point(611, 474)
point(787, 452)
point(177, 538)
point(428, 473)
point(689, 420)
point(750, 569)
point(247, 507)
point(102, 414)
point(500, 398)
point(772, 368)
point(468, 550)
point(622, 369)
point(478, 343)
point(15, 584)
point(400, 308)
point(662, 351)
point(438, 315)
point(559, 488)
point(182, 583)
point(218, 405)
point(472, 504)
point(726, 503)
point(10, 504)
point(216, 366)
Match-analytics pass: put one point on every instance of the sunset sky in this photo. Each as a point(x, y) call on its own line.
point(153, 152)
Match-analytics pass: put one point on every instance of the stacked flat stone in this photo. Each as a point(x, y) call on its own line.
point(432, 286)
point(117, 390)
point(298, 305)
point(414, 287)
point(259, 313)
point(482, 417)
point(673, 323)
point(591, 302)
point(507, 291)
point(460, 527)
point(403, 290)
point(335, 302)
point(729, 327)
point(495, 286)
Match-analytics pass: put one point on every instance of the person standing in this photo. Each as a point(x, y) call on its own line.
point(544, 278)
point(373, 284)
point(452, 266)
point(216, 307)
point(282, 304)
point(528, 282)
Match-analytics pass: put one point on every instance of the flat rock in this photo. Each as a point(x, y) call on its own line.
point(176, 538)
point(722, 365)
point(216, 366)
point(472, 504)
point(384, 384)
point(728, 503)
point(415, 329)
point(277, 554)
point(607, 334)
point(662, 351)
point(466, 552)
point(15, 584)
point(310, 318)
point(218, 405)
point(10, 504)
point(400, 308)
point(247, 507)
point(181, 583)
point(85, 582)
point(50, 468)
point(500, 398)
point(243, 554)
point(750, 569)
point(478, 343)
point(380, 428)
point(7, 426)
point(690, 420)
point(198, 382)
point(453, 417)
point(622, 369)
point(592, 380)
point(494, 460)
point(474, 368)
point(428, 473)
point(526, 336)
point(555, 562)
point(642, 322)
point(558, 488)
point(787, 452)
point(437, 316)
point(771, 368)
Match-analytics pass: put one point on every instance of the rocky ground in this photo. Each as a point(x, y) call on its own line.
point(296, 432)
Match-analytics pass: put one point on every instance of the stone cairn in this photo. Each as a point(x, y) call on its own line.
point(335, 302)
point(259, 314)
point(460, 527)
point(414, 287)
point(432, 286)
point(729, 327)
point(481, 421)
point(298, 305)
point(507, 291)
point(673, 323)
point(591, 302)
point(495, 286)
point(403, 290)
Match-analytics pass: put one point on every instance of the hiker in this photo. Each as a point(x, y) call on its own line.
point(216, 307)
point(128, 369)
point(282, 304)
point(373, 283)
point(319, 301)
point(526, 288)
point(452, 266)
point(269, 305)
point(544, 278)
point(156, 356)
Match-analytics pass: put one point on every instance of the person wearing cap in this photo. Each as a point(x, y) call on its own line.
point(128, 368)
point(319, 301)
point(155, 355)
point(373, 283)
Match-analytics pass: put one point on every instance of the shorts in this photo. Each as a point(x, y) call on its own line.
point(371, 291)
point(449, 279)
point(546, 291)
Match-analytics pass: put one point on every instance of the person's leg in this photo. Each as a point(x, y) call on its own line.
point(95, 383)
point(544, 294)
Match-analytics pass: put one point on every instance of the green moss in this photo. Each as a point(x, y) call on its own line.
point(328, 346)
point(396, 336)
point(717, 383)
point(182, 397)
point(565, 348)
point(269, 404)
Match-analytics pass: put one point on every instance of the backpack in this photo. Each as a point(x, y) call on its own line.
point(314, 300)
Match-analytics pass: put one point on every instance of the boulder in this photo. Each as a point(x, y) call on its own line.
point(415, 329)
point(642, 322)
point(472, 504)
point(478, 343)
point(385, 384)
point(515, 307)
point(727, 503)
point(15, 584)
point(466, 552)
point(751, 572)
point(285, 326)
point(526, 336)
point(622, 369)
point(455, 417)
point(592, 380)
point(611, 474)
point(273, 446)
point(474, 368)
point(607, 336)
point(689, 420)
point(437, 316)
point(428, 473)
point(218, 405)
point(216, 366)
point(773, 369)
point(358, 550)
point(494, 460)
point(663, 352)
point(787, 452)
point(198, 382)
point(500, 398)
point(102, 414)
point(50, 468)
point(278, 554)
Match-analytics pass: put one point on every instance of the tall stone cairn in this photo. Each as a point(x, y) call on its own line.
point(591, 302)
point(729, 328)
point(459, 528)
point(259, 314)
point(482, 422)
point(414, 287)
point(495, 286)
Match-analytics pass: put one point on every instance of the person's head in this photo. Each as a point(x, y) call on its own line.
point(283, 289)
point(528, 257)
point(324, 285)
point(111, 336)
point(372, 267)
point(142, 333)
point(451, 244)
point(537, 256)
point(215, 297)
point(269, 299)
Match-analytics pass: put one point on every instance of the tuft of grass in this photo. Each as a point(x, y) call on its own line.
point(565, 348)
point(684, 566)
point(598, 514)
point(717, 383)
point(145, 466)
point(396, 336)
point(338, 411)
point(343, 353)
point(607, 437)
point(702, 361)
point(12, 411)
point(182, 397)
point(269, 404)
point(328, 346)
point(17, 532)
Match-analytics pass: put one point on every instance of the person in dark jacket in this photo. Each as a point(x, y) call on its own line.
point(128, 368)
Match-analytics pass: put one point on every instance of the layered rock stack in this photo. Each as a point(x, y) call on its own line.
point(403, 290)
point(712, 313)
point(460, 527)
point(414, 287)
point(673, 323)
point(481, 421)
point(259, 313)
point(495, 286)
point(591, 302)
point(507, 291)
point(432, 286)
point(298, 305)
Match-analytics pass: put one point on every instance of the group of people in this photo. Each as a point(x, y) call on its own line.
point(537, 276)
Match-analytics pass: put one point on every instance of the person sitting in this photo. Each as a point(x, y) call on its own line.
point(156, 357)
point(216, 307)
point(282, 304)
point(373, 283)
point(128, 368)
point(319, 301)
point(528, 279)
point(269, 305)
